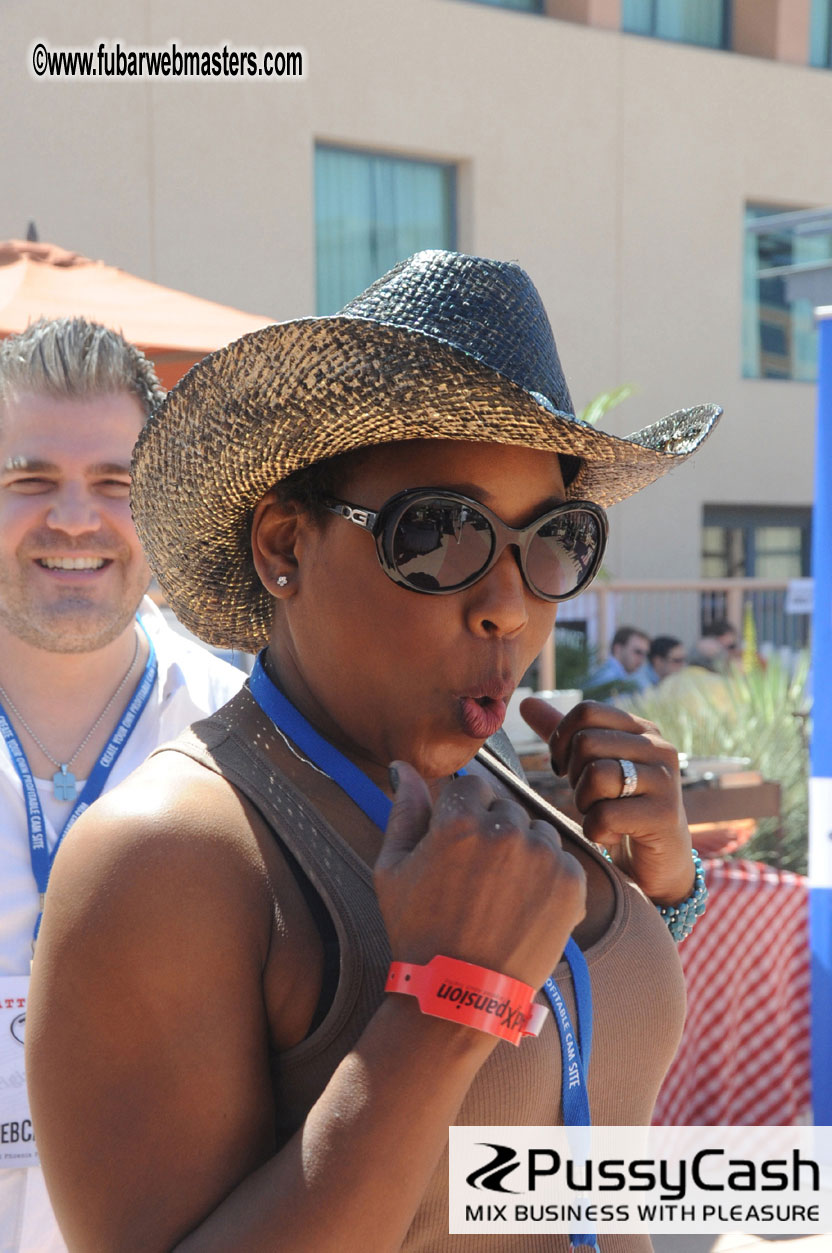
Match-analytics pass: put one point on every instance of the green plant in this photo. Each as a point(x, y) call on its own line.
point(595, 410)
point(761, 714)
point(573, 657)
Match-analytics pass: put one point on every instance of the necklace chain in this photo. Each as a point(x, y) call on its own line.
point(64, 765)
point(297, 753)
point(291, 747)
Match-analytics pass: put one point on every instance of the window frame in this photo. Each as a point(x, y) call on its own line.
point(750, 518)
point(797, 319)
point(819, 18)
point(725, 37)
point(537, 7)
point(449, 168)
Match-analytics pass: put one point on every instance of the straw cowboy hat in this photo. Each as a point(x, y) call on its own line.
point(443, 346)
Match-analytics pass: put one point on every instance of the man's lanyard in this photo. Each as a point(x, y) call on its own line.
point(42, 860)
point(575, 1045)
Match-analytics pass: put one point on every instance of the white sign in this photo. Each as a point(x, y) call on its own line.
point(800, 596)
point(17, 1143)
point(820, 833)
point(657, 1180)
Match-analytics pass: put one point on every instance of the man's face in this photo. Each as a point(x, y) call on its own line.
point(730, 644)
point(671, 663)
point(72, 572)
point(633, 654)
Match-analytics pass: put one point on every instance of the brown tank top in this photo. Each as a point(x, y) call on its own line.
point(637, 985)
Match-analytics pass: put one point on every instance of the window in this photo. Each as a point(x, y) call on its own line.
point(372, 211)
point(779, 335)
point(706, 22)
point(820, 34)
point(764, 542)
point(527, 6)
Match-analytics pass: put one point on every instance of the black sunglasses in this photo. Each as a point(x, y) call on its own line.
point(440, 542)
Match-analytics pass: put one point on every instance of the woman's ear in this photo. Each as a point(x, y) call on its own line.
point(274, 533)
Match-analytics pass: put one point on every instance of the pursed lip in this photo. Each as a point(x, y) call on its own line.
point(490, 689)
point(482, 707)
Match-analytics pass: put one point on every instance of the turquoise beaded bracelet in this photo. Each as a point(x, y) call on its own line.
point(681, 918)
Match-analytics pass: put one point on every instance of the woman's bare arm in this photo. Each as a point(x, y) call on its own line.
point(148, 1033)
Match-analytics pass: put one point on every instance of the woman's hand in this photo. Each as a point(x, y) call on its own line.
point(646, 833)
point(474, 877)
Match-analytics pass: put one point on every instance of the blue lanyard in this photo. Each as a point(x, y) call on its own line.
point(575, 1045)
point(340, 769)
point(574, 1049)
point(41, 858)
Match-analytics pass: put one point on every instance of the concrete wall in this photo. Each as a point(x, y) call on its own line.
point(614, 167)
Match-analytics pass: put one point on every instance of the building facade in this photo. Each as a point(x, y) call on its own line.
point(620, 150)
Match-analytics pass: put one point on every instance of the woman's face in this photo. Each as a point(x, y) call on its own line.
point(388, 673)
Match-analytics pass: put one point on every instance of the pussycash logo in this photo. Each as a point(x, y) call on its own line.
point(493, 1174)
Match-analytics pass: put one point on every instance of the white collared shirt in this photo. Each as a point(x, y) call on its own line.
point(191, 683)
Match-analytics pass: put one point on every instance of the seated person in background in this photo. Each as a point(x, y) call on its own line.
point(718, 645)
point(624, 671)
point(666, 656)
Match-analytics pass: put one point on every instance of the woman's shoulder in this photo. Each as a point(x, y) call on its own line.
point(174, 844)
point(175, 864)
point(170, 799)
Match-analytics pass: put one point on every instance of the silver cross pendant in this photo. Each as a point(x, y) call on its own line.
point(63, 784)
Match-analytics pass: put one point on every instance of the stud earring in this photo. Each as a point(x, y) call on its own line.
point(281, 580)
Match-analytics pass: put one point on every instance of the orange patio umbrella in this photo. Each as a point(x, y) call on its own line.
point(173, 328)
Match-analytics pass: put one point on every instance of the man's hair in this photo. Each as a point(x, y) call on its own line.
point(625, 633)
point(663, 645)
point(717, 627)
point(71, 359)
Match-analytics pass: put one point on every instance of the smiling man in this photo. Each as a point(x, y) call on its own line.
point(625, 668)
point(91, 677)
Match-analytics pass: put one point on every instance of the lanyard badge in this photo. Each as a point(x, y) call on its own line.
point(42, 860)
point(575, 1040)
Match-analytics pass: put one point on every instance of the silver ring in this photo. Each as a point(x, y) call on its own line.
point(630, 778)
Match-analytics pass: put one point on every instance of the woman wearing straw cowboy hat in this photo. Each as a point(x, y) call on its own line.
point(240, 1036)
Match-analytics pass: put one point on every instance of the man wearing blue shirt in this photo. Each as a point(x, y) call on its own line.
point(626, 664)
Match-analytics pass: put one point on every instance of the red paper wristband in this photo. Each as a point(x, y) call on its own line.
point(472, 995)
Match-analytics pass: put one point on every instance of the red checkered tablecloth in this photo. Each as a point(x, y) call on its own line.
point(744, 1055)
